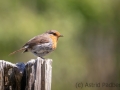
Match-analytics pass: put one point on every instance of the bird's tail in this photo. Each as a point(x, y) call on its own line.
point(21, 49)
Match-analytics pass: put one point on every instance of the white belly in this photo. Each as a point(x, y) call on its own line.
point(42, 49)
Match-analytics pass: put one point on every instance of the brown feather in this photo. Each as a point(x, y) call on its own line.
point(36, 40)
point(40, 39)
point(21, 49)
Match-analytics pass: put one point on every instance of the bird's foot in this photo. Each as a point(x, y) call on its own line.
point(41, 58)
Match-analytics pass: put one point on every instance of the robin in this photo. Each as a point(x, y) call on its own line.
point(41, 45)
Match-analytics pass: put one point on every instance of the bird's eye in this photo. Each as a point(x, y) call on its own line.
point(54, 34)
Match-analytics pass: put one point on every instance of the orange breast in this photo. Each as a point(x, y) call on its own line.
point(54, 40)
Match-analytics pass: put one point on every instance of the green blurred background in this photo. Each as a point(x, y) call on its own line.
point(89, 50)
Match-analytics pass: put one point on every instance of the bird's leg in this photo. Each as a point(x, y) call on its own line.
point(40, 57)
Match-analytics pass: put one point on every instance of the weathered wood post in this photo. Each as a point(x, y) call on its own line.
point(34, 75)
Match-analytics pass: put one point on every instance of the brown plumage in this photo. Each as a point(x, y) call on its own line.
point(21, 49)
point(42, 44)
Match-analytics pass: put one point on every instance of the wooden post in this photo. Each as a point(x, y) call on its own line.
point(34, 75)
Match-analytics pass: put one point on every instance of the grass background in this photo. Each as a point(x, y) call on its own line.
point(89, 50)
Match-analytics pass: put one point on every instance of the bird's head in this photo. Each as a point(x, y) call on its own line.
point(54, 33)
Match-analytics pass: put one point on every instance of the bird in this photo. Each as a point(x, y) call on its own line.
point(42, 44)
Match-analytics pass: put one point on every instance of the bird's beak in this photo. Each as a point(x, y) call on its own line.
point(61, 36)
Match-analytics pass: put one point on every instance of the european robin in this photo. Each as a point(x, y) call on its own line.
point(41, 45)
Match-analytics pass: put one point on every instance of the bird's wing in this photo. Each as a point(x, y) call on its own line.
point(35, 41)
